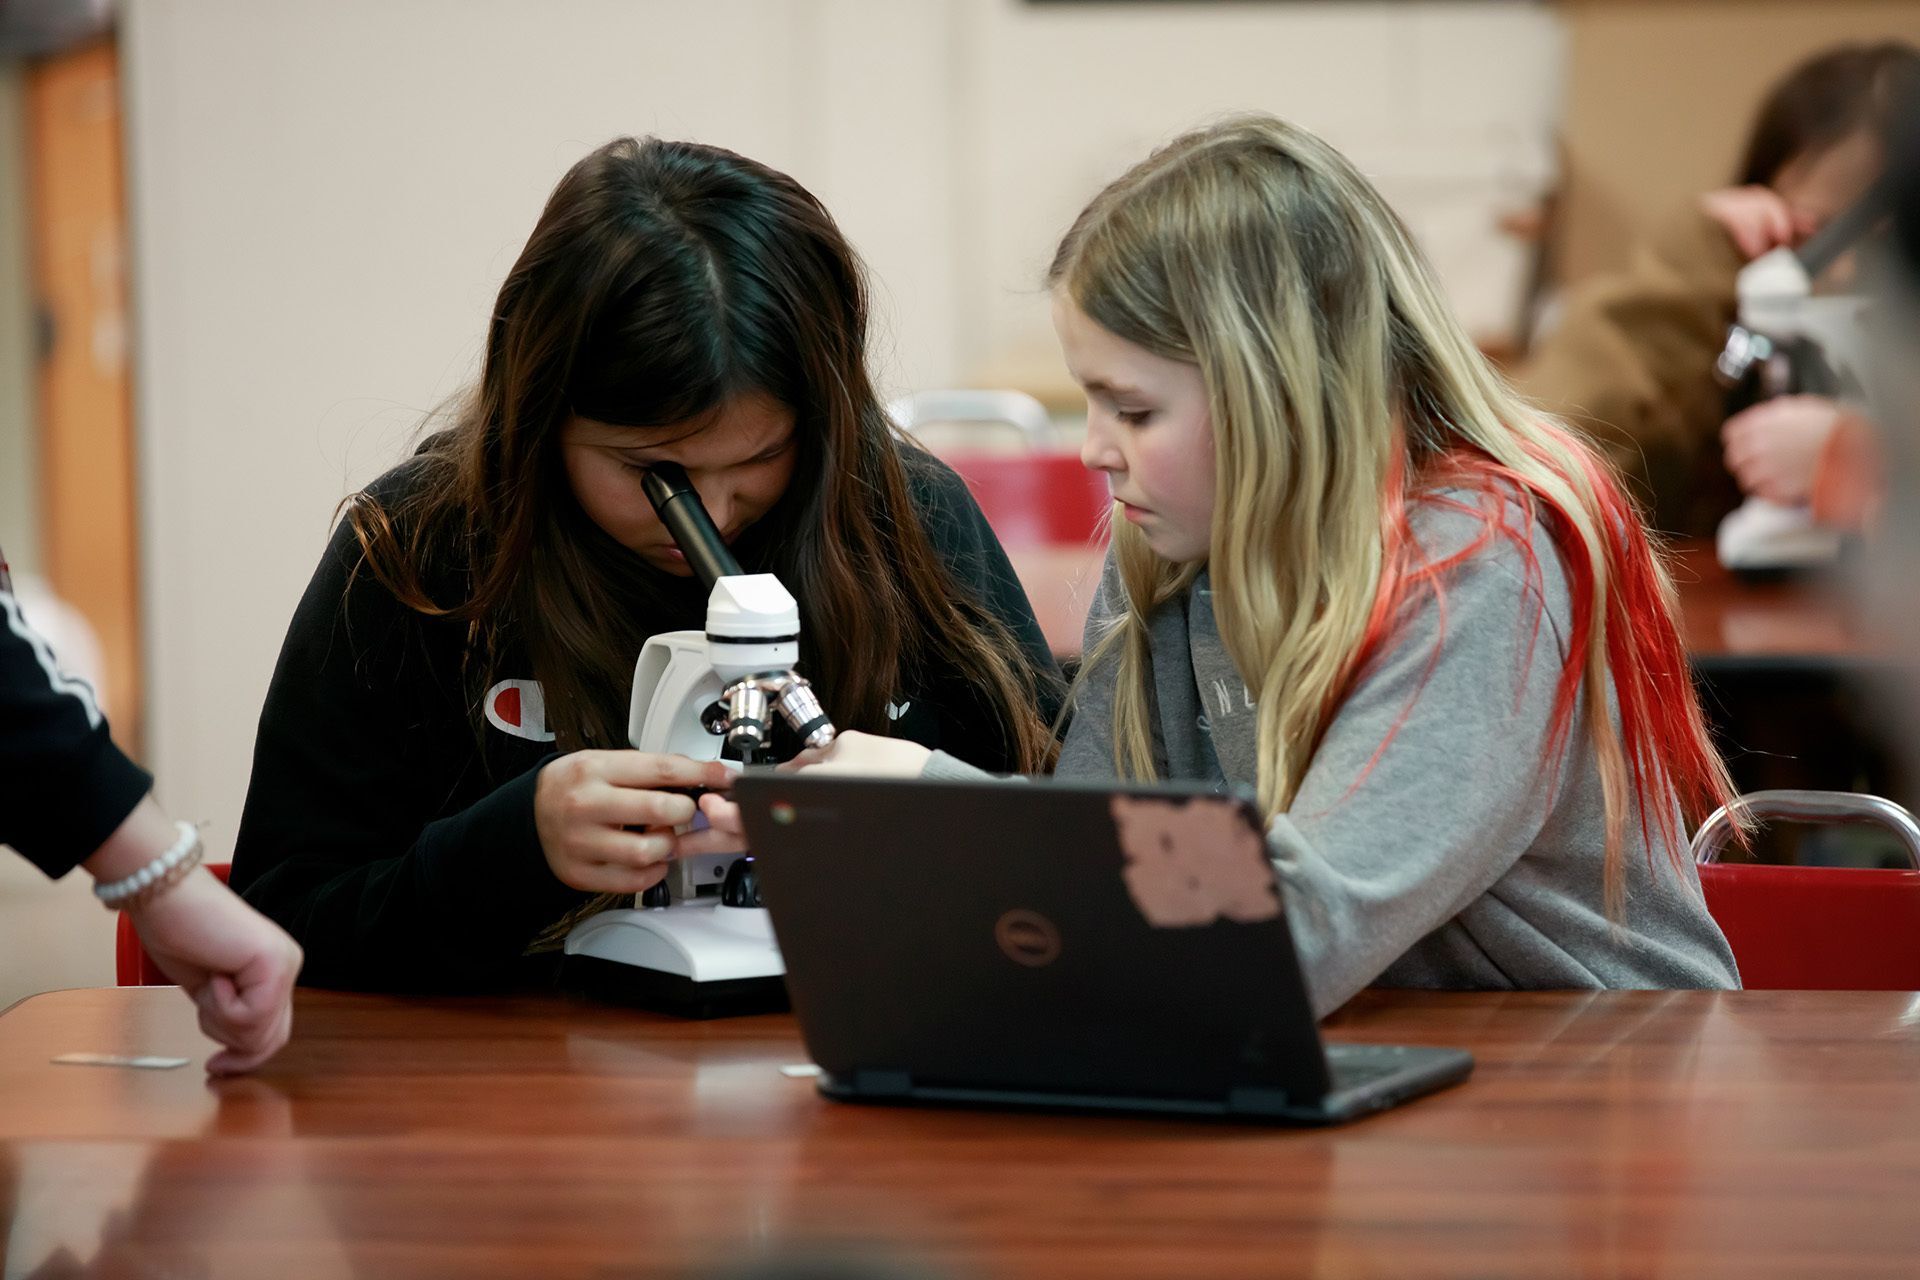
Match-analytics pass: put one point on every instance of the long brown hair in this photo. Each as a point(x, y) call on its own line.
point(1826, 98)
point(662, 280)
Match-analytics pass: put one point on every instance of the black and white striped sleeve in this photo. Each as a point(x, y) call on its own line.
point(64, 786)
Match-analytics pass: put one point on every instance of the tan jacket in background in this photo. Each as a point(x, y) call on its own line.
point(1631, 365)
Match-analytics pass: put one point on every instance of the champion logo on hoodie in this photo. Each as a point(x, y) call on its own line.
point(519, 707)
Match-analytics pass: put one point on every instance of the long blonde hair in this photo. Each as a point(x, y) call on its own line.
point(1342, 389)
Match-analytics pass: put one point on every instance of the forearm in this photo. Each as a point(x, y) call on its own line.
point(1354, 906)
point(941, 767)
point(145, 835)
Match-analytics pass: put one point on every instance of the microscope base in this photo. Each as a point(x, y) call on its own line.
point(1763, 538)
point(697, 959)
point(673, 993)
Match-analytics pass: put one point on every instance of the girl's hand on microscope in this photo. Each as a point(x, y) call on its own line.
point(724, 832)
point(585, 803)
point(850, 753)
point(864, 754)
point(1773, 448)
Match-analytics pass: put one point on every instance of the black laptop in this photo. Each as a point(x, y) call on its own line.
point(1052, 945)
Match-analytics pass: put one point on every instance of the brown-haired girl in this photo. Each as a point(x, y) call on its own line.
point(481, 605)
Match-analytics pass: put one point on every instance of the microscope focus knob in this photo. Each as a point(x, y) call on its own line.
point(658, 896)
point(741, 888)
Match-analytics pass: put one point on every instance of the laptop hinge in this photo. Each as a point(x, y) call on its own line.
point(883, 1084)
point(1257, 1102)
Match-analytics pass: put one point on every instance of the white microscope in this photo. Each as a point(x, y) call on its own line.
point(699, 942)
point(1788, 340)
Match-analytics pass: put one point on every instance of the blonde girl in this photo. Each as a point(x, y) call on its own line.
point(1353, 571)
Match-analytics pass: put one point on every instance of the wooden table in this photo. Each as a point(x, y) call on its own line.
point(1728, 622)
point(1789, 677)
point(1731, 623)
point(1625, 1133)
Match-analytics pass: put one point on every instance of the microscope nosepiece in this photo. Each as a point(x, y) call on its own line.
point(746, 719)
point(803, 711)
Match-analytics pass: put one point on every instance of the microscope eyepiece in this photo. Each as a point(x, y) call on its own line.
point(752, 630)
point(1848, 226)
point(678, 502)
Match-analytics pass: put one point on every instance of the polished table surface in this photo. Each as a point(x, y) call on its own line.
point(1731, 621)
point(1618, 1133)
point(1726, 620)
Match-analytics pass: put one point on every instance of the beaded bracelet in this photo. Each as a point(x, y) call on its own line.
point(150, 881)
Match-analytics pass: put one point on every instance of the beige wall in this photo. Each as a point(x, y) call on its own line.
point(52, 933)
point(1660, 94)
point(1449, 107)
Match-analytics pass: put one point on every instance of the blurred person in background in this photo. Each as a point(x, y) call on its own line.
point(1631, 362)
point(1893, 566)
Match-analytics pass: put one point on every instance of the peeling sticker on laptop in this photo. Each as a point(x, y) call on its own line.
point(1191, 863)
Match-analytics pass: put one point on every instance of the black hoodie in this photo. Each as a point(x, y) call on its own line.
point(389, 825)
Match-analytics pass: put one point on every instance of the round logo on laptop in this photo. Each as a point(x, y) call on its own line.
point(1028, 938)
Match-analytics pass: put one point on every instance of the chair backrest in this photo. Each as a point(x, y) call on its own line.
point(132, 966)
point(1037, 498)
point(1816, 928)
point(1013, 408)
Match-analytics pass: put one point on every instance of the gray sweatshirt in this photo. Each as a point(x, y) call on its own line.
point(1460, 860)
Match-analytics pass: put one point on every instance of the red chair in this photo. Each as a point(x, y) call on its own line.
point(1040, 497)
point(1816, 928)
point(132, 966)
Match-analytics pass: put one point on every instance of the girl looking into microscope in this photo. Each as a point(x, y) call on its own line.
point(480, 607)
point(1631, 362)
